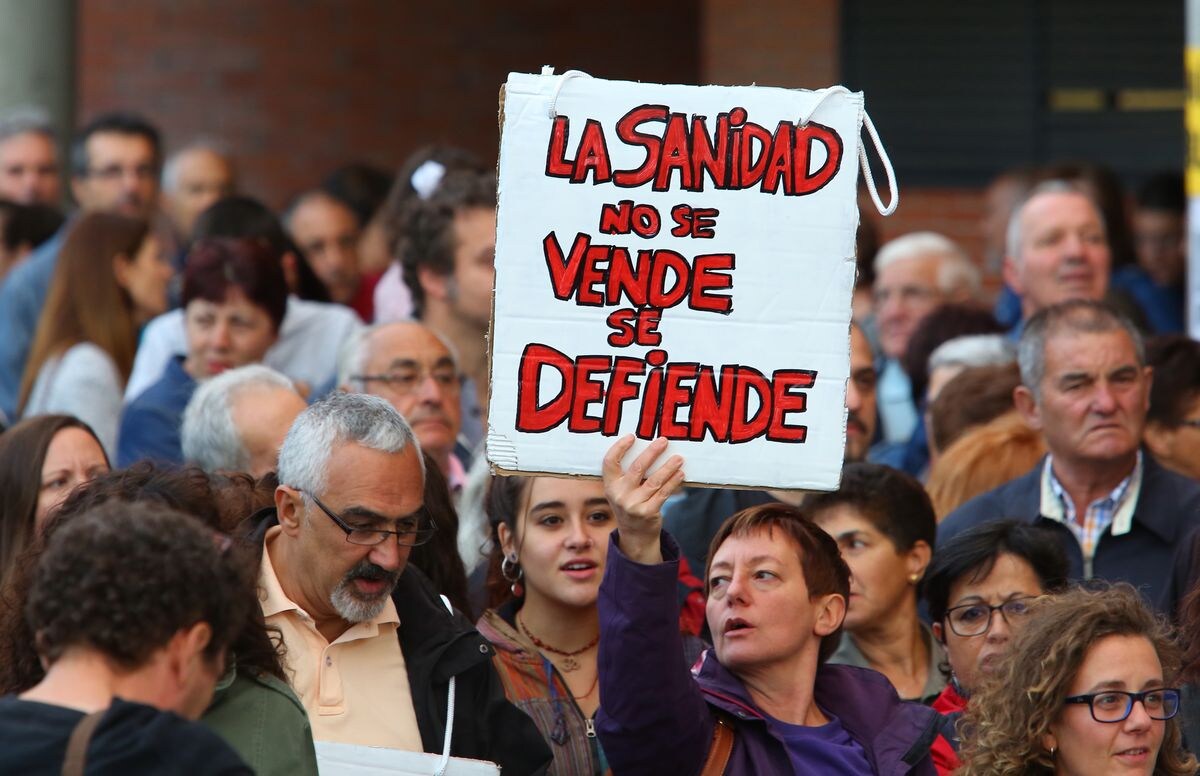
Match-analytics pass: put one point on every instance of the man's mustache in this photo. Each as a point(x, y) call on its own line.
point(367, 570)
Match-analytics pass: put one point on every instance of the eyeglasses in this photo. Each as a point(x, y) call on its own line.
point(411, 532)
point(116, 172)
point(1116, 705)
point(976, 619)
point(405, 381)
point(906, 294)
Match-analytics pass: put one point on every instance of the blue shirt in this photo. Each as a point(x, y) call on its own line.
point(22, 296)
point(1164, 308)
point(825, 749)
point(150, 423)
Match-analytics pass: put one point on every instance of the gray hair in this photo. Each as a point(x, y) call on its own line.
point(24, 120)
point(337, 419)
point(170, 170)
point(955, 271)
point(973, 350)
point(356, 349)
point(1078, 316)
point(1012, 238)
point(208, 435)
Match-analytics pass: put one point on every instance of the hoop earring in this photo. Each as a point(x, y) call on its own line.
point(507, 564)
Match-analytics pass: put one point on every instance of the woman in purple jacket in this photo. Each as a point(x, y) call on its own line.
point(777, 590)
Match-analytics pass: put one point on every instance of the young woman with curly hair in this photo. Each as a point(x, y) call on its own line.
point(1086, 690)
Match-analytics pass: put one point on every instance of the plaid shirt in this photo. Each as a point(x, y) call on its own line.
point(1114, 510)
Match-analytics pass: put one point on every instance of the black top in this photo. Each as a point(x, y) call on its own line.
point(131, 738)
point(436, 646)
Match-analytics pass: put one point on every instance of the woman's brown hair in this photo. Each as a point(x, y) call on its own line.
point(85, 303)
point(22, 454)
point(213, 499)
point(983, 458)
point(1003, 728)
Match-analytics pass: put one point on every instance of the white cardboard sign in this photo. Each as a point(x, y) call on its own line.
point(674, 261)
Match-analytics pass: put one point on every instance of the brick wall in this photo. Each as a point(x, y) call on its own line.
point(297, 87)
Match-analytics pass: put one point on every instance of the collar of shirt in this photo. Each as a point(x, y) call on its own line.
point(274, 601)
point(457, 477)
point(1056, 504)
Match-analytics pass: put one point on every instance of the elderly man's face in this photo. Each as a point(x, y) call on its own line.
point(202, 176)
point(367, 489)
point(905, 292)
point(29, 170)
point(420, 380)
point(1094, 397)
point(1063, 252)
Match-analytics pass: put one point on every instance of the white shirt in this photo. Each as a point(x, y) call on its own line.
point(83, 382)
point(307, 349)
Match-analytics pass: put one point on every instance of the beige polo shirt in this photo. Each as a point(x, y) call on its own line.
point(355, 689)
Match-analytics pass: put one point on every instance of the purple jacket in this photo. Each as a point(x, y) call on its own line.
point(656, 718)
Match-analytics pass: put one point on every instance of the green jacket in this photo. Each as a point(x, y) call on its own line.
point(264, 721)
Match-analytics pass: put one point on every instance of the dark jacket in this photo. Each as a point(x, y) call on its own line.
point(1167, 509)
point(437, 646)
point(655, 718)
point(132, 738)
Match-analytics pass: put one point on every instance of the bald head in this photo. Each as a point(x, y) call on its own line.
point(411, 367)
point(193, 179)
point(1057, 248)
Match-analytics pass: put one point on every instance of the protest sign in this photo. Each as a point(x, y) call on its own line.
point(674, 261)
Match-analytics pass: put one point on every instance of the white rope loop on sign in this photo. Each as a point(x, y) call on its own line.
point(864, 163)
point(445, 758)
point(562, 81)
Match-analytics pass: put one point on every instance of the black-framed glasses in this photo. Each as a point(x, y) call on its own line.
point(405, 381)
point(1117, 705)
point(411, 532)
point(976, 619)
point(114, 172)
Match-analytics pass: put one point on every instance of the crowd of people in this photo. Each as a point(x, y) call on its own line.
point(245, 509)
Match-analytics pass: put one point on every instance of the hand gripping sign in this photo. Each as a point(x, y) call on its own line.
point(675, 261)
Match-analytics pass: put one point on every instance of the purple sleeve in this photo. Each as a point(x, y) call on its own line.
point(652, 717)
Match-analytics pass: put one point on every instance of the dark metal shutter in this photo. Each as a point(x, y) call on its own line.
point(962, 90)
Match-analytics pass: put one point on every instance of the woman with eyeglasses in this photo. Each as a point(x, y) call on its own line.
point(979, 590)
point(1086, 690)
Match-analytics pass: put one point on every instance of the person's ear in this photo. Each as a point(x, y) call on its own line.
point(1027, 405)
point(939, 634)
point(507, 539)
point(435, 284)
point(831, 610)
point(289, 507)
point(1012, 276)
point(291, 275)
point(79, 190)
point(185, 652)
point(1050, 742)
point(1160, 440)
point(917, 560)
point(122, 267)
